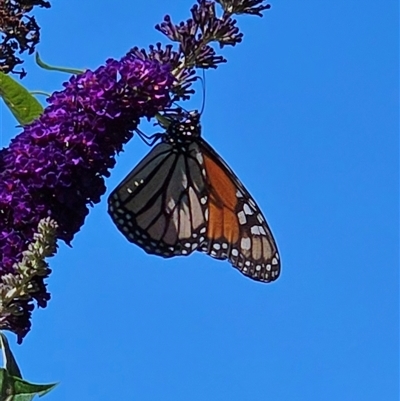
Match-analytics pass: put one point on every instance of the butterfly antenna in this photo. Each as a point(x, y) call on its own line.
point(203, 81)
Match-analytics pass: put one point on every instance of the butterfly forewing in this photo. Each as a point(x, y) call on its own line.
point(158, 205)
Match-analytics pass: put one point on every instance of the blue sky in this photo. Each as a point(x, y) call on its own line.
point(306, 113)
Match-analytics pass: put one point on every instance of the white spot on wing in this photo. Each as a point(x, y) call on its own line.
point(171, 204)
point(252, 203)
point(247, 209)
point(184, 180)
point(242, 218)
point(245, 243)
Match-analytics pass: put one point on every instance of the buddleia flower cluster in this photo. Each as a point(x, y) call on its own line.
point(19, 32)
point(55, 168)
point(26, 281)
point(194, 38)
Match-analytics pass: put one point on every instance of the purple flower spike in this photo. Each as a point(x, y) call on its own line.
point(56, 167)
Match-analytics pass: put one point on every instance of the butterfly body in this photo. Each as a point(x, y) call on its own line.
point(183, 197)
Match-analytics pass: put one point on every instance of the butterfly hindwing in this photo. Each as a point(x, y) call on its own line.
point(237, 229)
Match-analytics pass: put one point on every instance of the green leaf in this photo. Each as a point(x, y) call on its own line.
point(5, 388)
point(21, 103)
point(15, 389)
point(45, 66)
point(23, 388)
point(8, 358)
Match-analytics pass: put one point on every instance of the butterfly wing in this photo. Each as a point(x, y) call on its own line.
point(237, 229)
point(161, 204)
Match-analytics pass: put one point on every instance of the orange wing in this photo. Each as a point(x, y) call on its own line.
point(236, 228)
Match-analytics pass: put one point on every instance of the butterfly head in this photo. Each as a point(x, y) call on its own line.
point(183, 128)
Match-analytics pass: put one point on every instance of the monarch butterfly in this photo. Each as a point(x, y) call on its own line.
point(183, 197)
